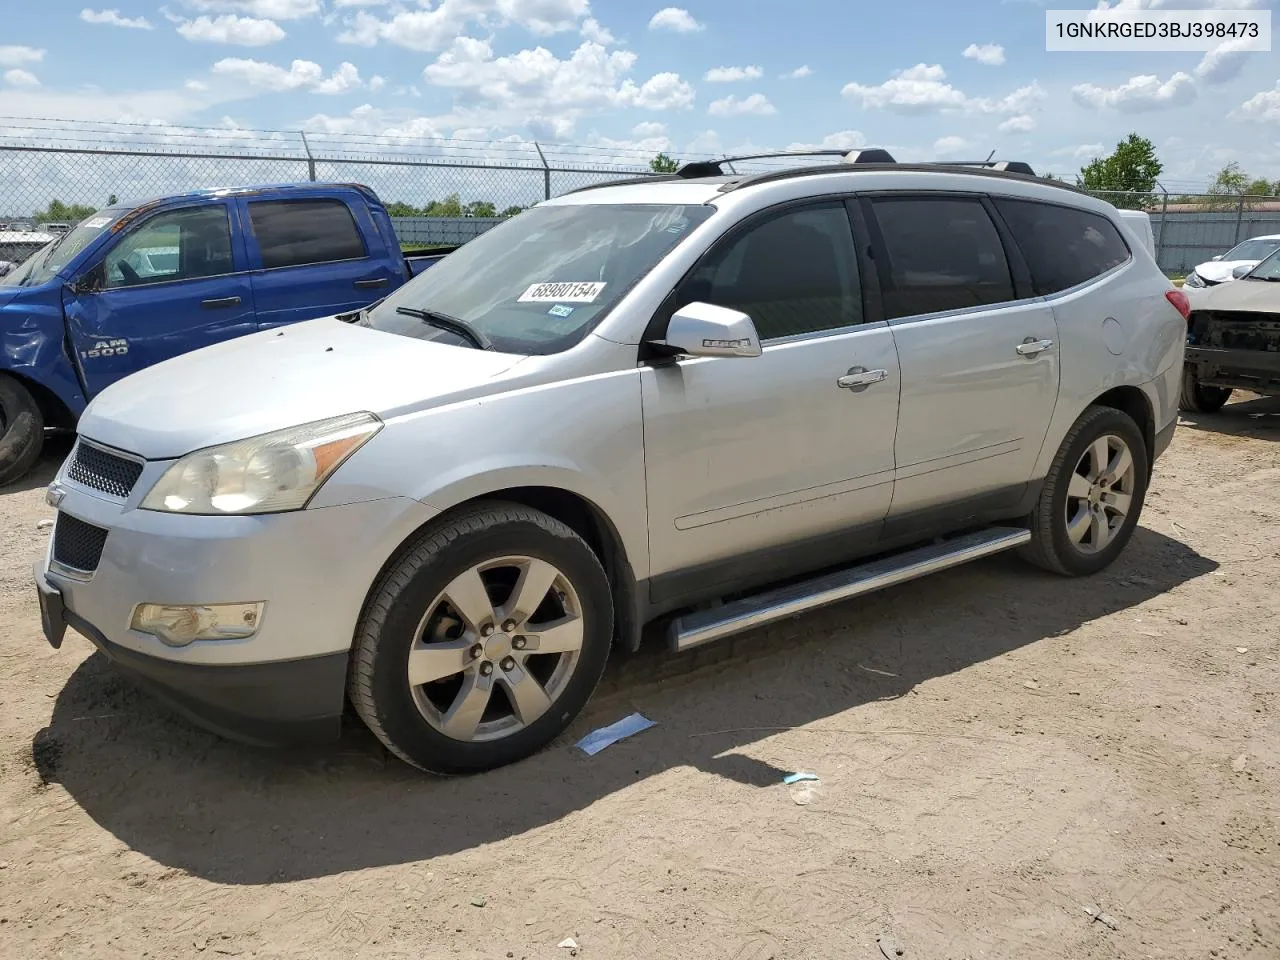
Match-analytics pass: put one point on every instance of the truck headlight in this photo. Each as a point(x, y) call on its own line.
point(270, 473)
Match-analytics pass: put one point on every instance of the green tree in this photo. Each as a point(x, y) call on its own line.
point(1260, 187)
point(511, 211)
point(663, 164)
point(399, 208)
point(481, 208)
point(1232, 188)
point(59, 212)
point(450, 206)
point(1130, 170)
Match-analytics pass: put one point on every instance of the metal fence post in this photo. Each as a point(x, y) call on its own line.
point(1239, 217)
point(1164, 219)
point(311, 161)
point(546, 172)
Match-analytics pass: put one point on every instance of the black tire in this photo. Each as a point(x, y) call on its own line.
point(1051, 546)
point(379, 685)
point(21, 431)
point(1197, 398)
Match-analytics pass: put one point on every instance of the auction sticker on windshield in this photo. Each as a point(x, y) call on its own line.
point(571, 291)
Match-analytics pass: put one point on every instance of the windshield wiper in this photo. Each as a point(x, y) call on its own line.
point(452, 324)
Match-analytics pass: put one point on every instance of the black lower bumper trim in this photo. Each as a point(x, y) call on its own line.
point(1165, 437)
point(266, 704)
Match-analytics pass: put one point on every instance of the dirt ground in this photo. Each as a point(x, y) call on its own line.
point(998, 750)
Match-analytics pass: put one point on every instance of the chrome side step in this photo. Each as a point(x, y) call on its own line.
point(705, 626)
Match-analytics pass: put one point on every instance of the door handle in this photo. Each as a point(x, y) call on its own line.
point(859, 378)
point(370, 284)
point(1033, 348)
point(220, 302)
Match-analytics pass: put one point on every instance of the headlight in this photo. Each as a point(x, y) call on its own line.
point(1192, 280)
point(270, 473)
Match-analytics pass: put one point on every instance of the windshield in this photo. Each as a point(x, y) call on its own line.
point(538, 283)
point(44, 264)
point(1252, 249)
point(1268, 269)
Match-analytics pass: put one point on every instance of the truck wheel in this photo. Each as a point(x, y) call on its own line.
point(483, 641)
point(1198, 398)
point(1092, 497)
point(21, 430)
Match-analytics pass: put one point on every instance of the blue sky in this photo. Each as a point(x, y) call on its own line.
point(927, 78)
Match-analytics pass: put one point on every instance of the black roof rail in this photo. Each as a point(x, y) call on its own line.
point(715, 168)
point(1005, 166)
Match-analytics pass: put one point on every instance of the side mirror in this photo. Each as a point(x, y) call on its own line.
point(90, 282)
point(1218, 257)
point(705, 330)
point(1240, 271)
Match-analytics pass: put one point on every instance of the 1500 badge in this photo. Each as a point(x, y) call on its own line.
point(106, 348)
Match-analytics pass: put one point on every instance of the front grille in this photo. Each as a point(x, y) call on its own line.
point(97, 469)
point(77, 544)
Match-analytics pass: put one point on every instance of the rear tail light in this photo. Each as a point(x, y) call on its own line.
point(1180, 302)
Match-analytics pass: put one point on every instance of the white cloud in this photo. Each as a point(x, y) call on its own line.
point(841, 140)
point(1263, 106)
point(733, 74)
point(1022, 123)
point(1179, 4)
point(432, 30)
point(664, 91)
point(648, 129)
point(675, 20)
point(757, 104)
point(1138, 94)
point(1223, 63)
point(21, 78)
point(593, 31)
point(264, 9)
point(11, 56)
point(376, 83)
point(992, 54)
point(301, 75)
point(924, 89)
point(799, 73)
point(228, 28)
point(340, 4)
point(344, 79)
point(196, 86)
point(946, 146)
point(1084, 151)
point(114, 19)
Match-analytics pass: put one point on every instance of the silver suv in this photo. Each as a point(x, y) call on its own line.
point(652, 399)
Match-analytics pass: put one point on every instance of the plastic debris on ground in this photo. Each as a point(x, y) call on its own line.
point(797, 777)
point(597, 740)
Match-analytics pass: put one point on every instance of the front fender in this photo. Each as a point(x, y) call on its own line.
point(33, 345)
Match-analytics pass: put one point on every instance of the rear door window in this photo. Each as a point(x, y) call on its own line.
point(1063, 246)
point(292, 233)
point(944, 253)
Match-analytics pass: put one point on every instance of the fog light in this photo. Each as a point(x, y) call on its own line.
point(179, 624)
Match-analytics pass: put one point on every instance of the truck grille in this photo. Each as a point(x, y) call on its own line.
point(77, 544)
point(98, 469)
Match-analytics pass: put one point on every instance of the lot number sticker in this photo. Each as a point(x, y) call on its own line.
point(571, 291)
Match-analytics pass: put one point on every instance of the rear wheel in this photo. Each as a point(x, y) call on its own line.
point(1092, 497)
point(21, 430)
point(483, 641)
point(1198, 398)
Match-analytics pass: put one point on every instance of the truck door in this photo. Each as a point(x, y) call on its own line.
point(172, 283)
point(315, 257)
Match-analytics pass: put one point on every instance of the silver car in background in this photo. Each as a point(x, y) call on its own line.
point(653, 399)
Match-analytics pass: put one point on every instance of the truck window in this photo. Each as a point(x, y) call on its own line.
point(1063, 246)
point(291, 233)
point(181, 244)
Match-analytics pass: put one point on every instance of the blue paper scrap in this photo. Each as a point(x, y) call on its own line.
point(597, 740)
point(560, 310)
point(797, 777)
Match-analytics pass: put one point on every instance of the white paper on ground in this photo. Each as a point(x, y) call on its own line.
point(597, 740)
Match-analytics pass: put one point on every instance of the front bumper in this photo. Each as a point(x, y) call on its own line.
point(1257, 370)
point(312, 569)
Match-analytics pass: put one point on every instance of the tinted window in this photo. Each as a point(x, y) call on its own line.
point(178, 245)
point(794, 273)
point(291, 233)
point(944, 254)
point(1062, 246)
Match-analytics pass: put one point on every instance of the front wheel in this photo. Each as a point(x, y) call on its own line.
point(1197, 398)
point(21, 430)
point(483, 641)
point(1092, 496)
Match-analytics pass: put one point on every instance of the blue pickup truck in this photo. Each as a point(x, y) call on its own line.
point(134, 285)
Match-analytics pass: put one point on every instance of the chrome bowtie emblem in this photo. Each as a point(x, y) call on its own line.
point(55, 494)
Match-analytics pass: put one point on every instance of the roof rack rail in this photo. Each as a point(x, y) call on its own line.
point(1006, 166)
point(715, 168)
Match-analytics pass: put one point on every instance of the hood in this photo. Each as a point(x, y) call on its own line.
point(1260, 295)
point(7, 294)
point(280, 378)
point(1219, 271)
